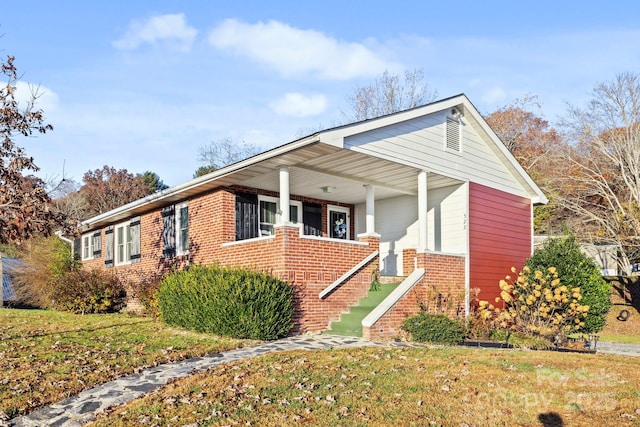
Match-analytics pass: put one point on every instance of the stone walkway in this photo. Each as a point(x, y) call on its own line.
point(83, 407)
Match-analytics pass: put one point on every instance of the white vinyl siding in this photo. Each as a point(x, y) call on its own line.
point(397, 224)
point(419, 143)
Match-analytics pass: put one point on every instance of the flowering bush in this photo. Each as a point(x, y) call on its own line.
point(536, 304)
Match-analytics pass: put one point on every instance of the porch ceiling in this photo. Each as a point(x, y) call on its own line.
point(312, 167)
point(320, 165)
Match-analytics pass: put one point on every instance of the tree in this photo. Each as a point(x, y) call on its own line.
point(153, 181)
point(600, 184)
point(526, 134)
point(534, 143)
point(223, 152)
point(25, 207)
point(108, 188)
point(576, 270)
point(388, 94)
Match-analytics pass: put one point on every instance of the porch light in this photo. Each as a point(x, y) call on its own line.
point(327, 189)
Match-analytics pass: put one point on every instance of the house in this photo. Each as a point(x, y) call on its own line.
point(7, 268)
point(429, 195)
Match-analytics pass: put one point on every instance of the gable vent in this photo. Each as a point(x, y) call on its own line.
point(453, 134)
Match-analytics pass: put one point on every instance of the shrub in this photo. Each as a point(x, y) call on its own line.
point(434, 328)
point(44, 260)
point(147, 292)
point(576, 270)
point(536, 304)
point(234, 302)
point(89, 291)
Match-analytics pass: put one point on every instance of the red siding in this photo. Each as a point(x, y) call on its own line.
point(499, 237)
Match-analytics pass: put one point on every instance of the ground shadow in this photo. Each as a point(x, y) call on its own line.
point(628, 290)
point(71, 331)
point(551, 419)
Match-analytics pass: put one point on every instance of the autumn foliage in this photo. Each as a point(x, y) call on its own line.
point(536, 303)
point(25, 207)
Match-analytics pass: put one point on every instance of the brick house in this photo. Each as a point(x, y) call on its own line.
point(429, 194)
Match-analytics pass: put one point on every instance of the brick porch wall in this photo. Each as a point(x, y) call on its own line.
point(444, 274)
point(310, 264)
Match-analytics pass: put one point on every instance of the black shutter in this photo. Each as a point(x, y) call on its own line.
point(312, 219)
point(97, 244)
point(169, 232)
point(109, 246)
point(246, 216)
point(134, 229)
point(77, 248)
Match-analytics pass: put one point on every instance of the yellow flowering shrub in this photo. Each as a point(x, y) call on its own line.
point(535, 303)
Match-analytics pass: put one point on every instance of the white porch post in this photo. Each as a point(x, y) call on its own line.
point(284, 195)
point(370, 210)
point(422, 212)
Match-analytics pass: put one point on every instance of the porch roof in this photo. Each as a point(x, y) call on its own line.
point(313, 166)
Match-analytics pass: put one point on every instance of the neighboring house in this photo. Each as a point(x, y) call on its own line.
point(430, 193)
point(609, 258)
point(7, 267)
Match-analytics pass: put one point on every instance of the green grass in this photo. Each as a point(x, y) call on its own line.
point(398, 386)
point(46, 356)
point(350, 323)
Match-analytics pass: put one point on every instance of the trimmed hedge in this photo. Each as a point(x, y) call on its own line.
point(227, 301)
point(434, 328)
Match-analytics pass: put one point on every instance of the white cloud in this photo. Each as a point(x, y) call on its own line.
point(300, 105)
point(170, 28)
point(45, 98)
point(292, 51)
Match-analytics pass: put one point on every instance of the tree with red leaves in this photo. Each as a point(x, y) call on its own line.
point(25, 206)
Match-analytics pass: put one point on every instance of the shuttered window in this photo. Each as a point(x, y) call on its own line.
point(453, 135)
point(246, 216)
point(168, 232)
point(108, 247)
point(134, 242)
point(97, 244)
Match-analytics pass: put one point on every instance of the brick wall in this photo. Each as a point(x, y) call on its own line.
point(310, 264)
point(444, 276)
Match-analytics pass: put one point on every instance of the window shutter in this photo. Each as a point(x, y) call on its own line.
point(134, 229)
point(246, 216)
point(453, 134)
point(108, 247)
point(97, 244)
point(77, 248)
point(169, 232)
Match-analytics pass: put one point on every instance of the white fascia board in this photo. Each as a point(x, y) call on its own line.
point(210, 177)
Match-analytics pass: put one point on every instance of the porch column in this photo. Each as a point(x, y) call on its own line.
point(370, 210)
point(284, 195)
point(422, 212)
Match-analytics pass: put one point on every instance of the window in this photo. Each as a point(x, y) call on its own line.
point(182, 227)
point(87, 246)
point(338, 225)
point(127, 242)
point(175, 230)
point(453, 140)
point(92, 245)
point(257, 216)
point(269, 214)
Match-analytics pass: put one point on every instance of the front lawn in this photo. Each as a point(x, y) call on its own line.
point(399, 387)
point(46, 356)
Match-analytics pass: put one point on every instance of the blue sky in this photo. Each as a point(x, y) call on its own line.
point(143, 84)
